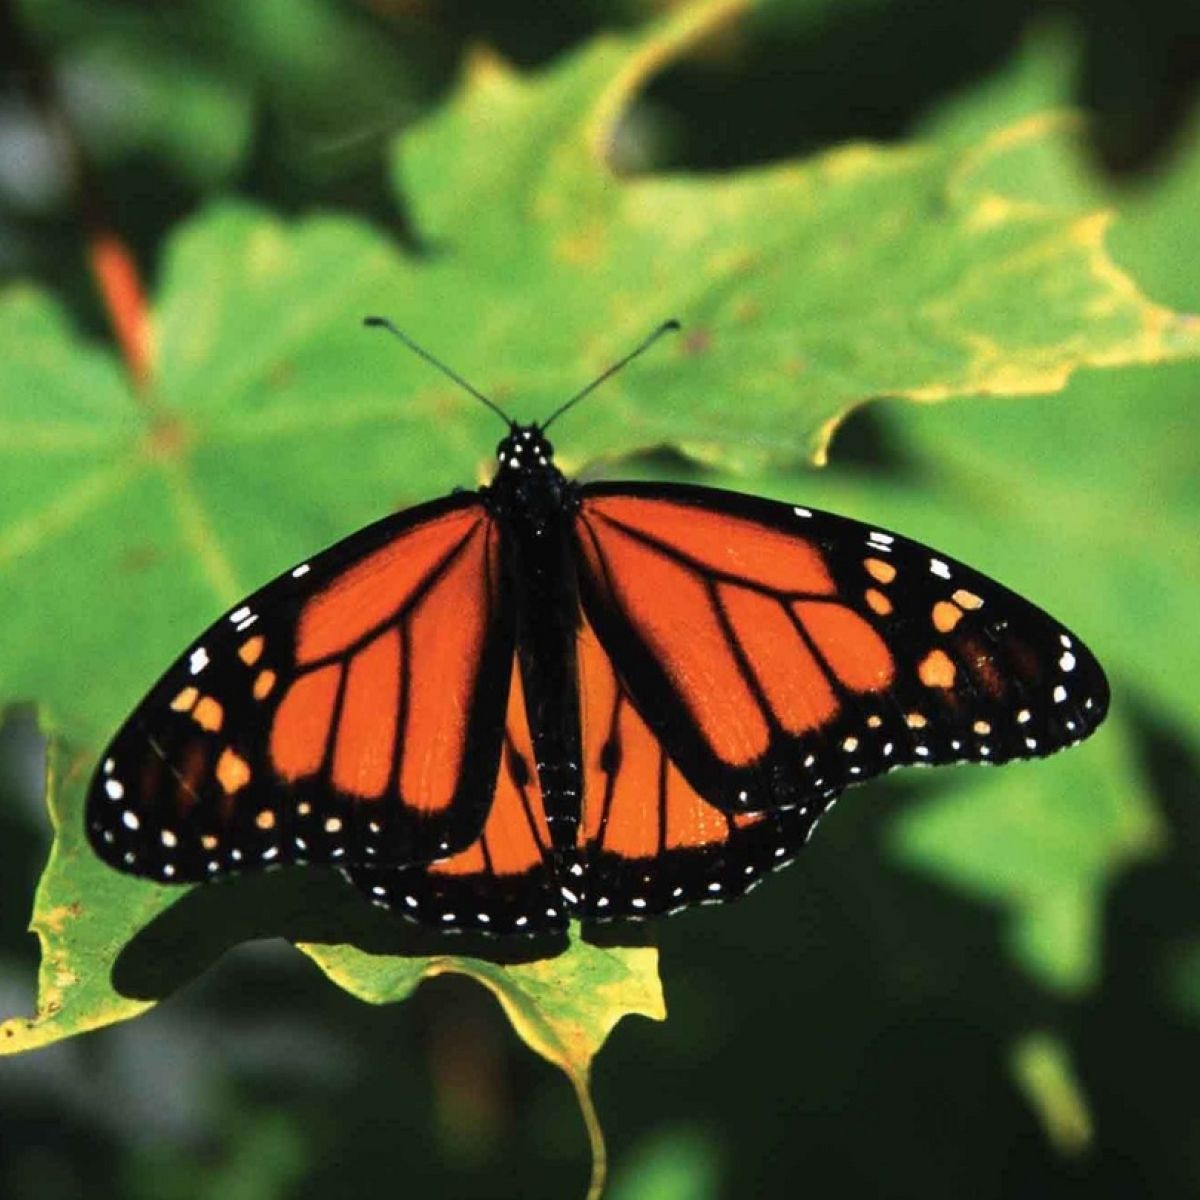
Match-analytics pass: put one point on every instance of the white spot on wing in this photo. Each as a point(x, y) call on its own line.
point(198, 660)
point(939, 568)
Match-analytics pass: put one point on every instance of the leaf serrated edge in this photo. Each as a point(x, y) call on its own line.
point(20, 1034)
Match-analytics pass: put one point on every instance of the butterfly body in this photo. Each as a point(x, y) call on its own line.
point(533, 504)
point(545, 700)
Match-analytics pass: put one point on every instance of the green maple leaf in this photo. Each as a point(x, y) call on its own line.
point(273, 425)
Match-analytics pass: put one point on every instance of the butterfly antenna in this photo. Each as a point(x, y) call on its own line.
point(671, 326)
point(384, 323)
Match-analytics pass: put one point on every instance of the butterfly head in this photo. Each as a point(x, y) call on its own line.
point(526, 451)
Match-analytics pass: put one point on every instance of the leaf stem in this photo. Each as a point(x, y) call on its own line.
point(591, 1122)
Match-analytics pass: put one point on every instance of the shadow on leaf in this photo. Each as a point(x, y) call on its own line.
point(305, 905)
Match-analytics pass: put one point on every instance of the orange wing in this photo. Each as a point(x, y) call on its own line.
point(779, 654)
point(504, 881)
point(352, 710)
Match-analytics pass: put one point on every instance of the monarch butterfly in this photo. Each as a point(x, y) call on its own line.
point(544, 700)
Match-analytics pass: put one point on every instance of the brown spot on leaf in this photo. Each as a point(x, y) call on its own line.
point(136, 559)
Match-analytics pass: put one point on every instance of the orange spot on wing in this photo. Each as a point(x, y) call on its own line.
point(671, 610)
point(251, 651)
point(796, 688)
point(233, 771)
point(732, 545)
point(878, 569)
point(878, 602)
point(936, 670)
point(366, 735)
point(965, 599)
point(208, 714)
point(184, 700)
point(854, 651)
point(373, 591)
point(447, 639)
point(264, 681)
point(301, 726)
point(946, 616)
point(265, 820)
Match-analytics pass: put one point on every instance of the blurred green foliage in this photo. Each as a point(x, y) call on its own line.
point(973, 981)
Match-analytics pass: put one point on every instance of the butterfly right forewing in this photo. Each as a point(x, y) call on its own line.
point(778, 652)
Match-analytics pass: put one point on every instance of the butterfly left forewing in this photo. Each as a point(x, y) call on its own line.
point(347, 711)
point(778, 652)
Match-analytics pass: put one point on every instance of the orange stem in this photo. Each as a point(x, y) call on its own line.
point(120, 285)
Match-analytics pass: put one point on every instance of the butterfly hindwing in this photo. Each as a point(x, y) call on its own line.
point(504, 881)
point(780, 653)
point(351, 710)
point(648, 842)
